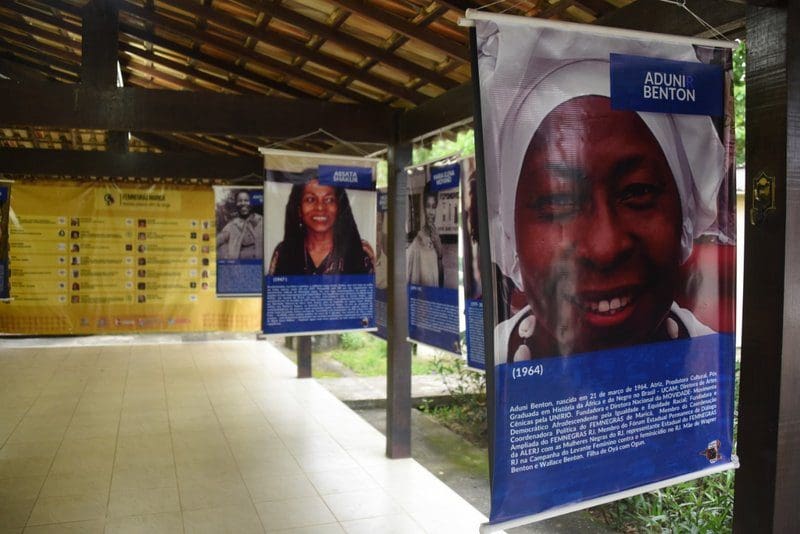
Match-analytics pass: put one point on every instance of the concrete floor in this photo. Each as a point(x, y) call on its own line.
point(196, 437)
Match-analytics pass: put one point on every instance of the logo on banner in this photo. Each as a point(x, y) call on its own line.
point(641, 83)
point(349, 177)
point(445, 177)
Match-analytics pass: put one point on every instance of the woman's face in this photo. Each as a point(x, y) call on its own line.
point(598, 227)
point(430, 210)
point(318, 207)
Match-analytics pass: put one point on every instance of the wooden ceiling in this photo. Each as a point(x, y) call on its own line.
point(398, 53)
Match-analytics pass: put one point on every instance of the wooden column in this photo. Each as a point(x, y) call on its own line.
point(767, 496)
point(100, 54)
point(303, 347)
point(398, 372)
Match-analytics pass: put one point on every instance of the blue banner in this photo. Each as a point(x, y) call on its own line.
point(629, 417)
point(433, 316)
point(318, 303)
point(349, 177)
point(381, 263)
point(476, 356)
point(445, 176)
point(665, 86)
point(239, 277)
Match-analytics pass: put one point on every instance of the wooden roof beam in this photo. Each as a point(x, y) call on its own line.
point(135, 109)
point(294, 47)
point(351, 43)
point(139, 164)
point(454, 50)
point(240, 50)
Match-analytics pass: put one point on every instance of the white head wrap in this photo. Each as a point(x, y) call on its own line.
point(542, 81)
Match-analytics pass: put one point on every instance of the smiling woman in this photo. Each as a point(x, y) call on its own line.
point(320, 234)
point(607, 205)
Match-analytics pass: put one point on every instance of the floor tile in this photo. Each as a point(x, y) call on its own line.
point(143, 501)
point(143, 477)
point(241, 519)
point(67, 509)
point(361, 504)
point(294, 513)
point(212, 492)
point(341, 480)
point(385, 524)
point(14, 511)
point(62, 485)
point(279, 488)
point(95, 526)
point(166, 523)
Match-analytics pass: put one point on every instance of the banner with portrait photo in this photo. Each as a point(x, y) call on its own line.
point(608, 170)
point(5, 202)
point(473, 293)
point(239, 212)
point(381, 262)
point(320, 243)
point(432, 253)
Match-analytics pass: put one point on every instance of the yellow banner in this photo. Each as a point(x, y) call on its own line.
point(97, 258)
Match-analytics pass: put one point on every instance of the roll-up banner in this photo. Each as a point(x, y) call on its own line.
point(103, 258)
point(240, 240)
point(607, 161)
point(432, 253)
point(5, 202)
point(319, 235)
point(473, 294)
point(381, 262)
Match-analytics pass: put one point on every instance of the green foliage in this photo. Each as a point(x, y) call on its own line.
point(739, 95)
point(701, 506)
point(365, 355)
point(463, 143)
point(466, 414)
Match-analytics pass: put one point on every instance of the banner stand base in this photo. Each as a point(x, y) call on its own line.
point(487, 528)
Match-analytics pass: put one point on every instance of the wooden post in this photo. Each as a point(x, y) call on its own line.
point(768, 482)
point(303, 356)
point(398, 372)
point(99, 55)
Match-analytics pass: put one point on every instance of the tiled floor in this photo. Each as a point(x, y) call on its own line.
point(197, 437)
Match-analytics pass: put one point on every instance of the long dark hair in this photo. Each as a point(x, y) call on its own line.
point(347, 247)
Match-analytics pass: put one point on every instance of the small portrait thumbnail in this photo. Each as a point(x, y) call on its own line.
point(142, 236)
point(204, 274)
point(141, 299)
point(76, 286)
point(74, 234)
point(76, 247)
point(141, 273)
point(76, 273)
point(142, 249)
point(75, 299)
point(128, 247)
point(74, 221)
point(205, 262)
point(142, 223)
point(205, 285)
point(76, 260)
point(206, 237)
point(141, 286)
point(142, 261)
point(206, 249)
point(205, 225)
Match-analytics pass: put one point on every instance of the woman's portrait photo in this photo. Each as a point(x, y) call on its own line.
point(432, 249)
point(240, 226)
point(469, 229)
point(320, 231)
point(597, 212)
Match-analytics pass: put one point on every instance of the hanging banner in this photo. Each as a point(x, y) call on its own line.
point(94, 258)
point(432, 254)
point(320, 237)
point(5, 201)
point(381, 262)
point(473, 294)
point(240, 240)
point(608, 172)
